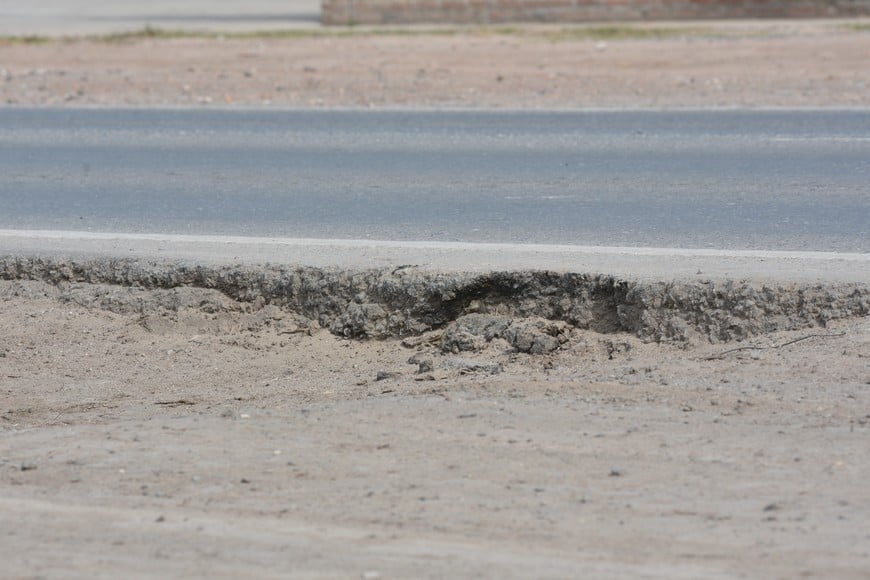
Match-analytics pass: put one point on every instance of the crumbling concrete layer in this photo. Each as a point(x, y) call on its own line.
point(372, 303)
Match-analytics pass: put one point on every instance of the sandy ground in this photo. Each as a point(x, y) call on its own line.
point(233, 441)
point(778, 64)
point(237, 441)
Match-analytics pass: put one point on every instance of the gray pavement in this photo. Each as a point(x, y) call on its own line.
point(725, 180)
point(642, 264)
point(80, 17)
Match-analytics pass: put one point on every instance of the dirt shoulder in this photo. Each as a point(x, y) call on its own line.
point(230, 440)
point(748, 64)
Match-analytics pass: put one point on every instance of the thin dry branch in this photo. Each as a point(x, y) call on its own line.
point(722, 354)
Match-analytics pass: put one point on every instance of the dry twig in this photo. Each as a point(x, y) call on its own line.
point(722, 354)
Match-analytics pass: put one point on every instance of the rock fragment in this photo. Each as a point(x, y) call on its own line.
point(537, 336)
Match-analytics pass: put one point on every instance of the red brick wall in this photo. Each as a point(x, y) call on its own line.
point(500, 11)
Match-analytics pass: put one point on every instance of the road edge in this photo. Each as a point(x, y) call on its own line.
point(407, 300)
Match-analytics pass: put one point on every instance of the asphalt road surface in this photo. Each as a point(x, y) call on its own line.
point(74, 17)
point(731, 180)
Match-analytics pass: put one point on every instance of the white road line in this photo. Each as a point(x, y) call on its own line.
point(350, 244)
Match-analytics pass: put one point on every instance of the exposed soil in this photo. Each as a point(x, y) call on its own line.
point(246, 441)
point(208, 437)
point(779, 64)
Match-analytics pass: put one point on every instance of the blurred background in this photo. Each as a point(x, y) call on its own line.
point(78, 17)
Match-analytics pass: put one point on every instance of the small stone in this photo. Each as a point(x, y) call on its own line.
point(616, 473)
point(466, 366)
point(384, 375)
point(425, 366)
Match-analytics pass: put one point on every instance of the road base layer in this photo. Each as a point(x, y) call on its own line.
point(402, 300)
